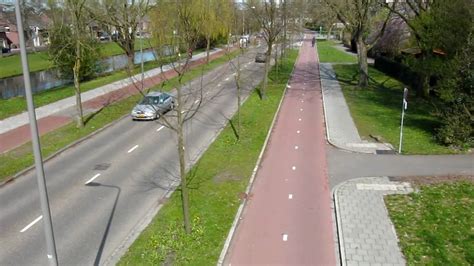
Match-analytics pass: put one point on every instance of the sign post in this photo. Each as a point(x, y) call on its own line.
point(404, 107)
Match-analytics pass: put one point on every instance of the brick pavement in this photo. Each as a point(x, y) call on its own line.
point(366, 234)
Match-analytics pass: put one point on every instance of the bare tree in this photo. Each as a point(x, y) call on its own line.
point(73, 47)
point(122, 19)
point(358, 16)
point(268, 15)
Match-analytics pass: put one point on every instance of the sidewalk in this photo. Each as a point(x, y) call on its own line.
point(365, 233)
point(286, 218)
point(340, 128)
point(15, 130)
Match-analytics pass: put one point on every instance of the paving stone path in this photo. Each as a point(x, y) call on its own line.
point(366, 234)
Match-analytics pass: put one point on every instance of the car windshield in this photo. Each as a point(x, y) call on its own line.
point(149, 100)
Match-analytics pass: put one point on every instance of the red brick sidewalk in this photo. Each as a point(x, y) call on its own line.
point(287, 219)
point(21, 135)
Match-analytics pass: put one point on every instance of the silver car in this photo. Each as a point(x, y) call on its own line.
point(152, 106)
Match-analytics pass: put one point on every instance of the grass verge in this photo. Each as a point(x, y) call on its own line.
point(329, 54)
point(22, 157)
point(377, 111)
point(435, 225)
point(217, 189)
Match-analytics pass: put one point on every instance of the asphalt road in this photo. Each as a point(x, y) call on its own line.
point(129, 168)
point(345, 165)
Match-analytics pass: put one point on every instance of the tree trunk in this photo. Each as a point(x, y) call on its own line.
point(363, 66)
point(77, 87)
point(208, 47)
point(182, 165)
point(239, 100)
point(423, 86)
point(131, 60)
point(268, 57)
point(329, 32)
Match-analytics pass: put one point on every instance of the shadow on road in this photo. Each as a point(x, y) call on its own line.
point(111, 217)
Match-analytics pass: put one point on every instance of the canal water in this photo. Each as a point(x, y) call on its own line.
point(48, 79)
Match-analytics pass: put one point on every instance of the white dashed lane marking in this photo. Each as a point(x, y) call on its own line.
point(301, 110)
point(132, 149)
point(296, 147)
point(285, 237)
point(196, 101)
point(298, 132)
point(299, 119)
point(160, 128)
point(290, 196)
point(92, 179)
point(31, 224)
point(293, 168)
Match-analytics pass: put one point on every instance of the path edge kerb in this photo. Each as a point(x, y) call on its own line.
point(328, 138)
point(340, 237)
point(236, 221)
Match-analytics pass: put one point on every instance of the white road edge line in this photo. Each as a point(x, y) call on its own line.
point(132, 149)
point(160, 128)
point(31, 224)
point(92, 179)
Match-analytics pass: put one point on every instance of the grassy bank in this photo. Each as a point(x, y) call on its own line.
point(22, 157)
point(377, 111)
point(11, 65)
point(329, 54)
point(217, 192)
point(435, 225)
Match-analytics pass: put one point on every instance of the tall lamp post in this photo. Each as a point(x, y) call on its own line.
point(43, 193)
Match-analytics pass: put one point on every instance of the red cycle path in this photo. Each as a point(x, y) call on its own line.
point(287, 219)
point(21, 135)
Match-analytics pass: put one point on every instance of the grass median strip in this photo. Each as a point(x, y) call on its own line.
point(22, 157)
point(434, 225)
point(377, 111)
point(217, 189)
point(329, 54)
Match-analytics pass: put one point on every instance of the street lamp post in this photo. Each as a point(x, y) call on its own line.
point(43, 193)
